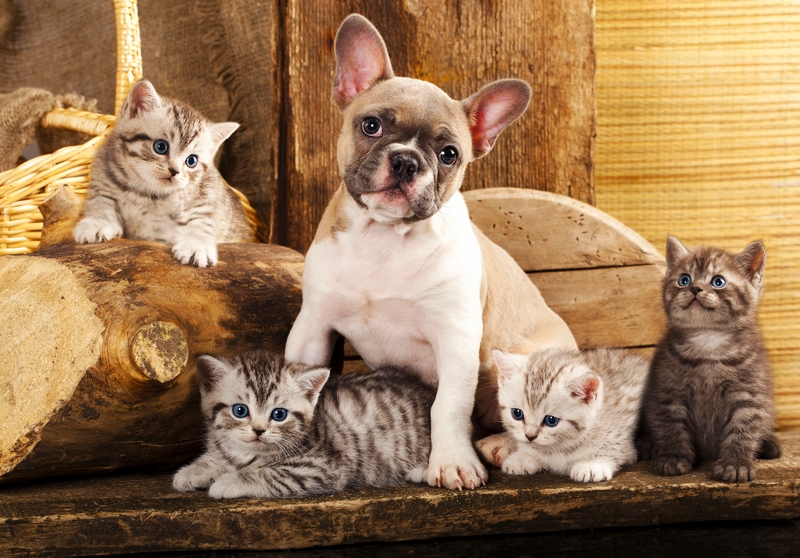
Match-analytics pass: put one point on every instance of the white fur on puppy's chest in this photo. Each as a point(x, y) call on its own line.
point(394, 293)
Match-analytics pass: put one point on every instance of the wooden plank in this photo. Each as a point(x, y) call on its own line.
point(460, 47)
point(141, 513)
point(544, 231)
point(607, 307)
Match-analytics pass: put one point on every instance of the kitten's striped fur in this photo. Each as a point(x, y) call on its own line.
point(177, 197)
point(710, 392)
point(340, 432)
point(596, 397)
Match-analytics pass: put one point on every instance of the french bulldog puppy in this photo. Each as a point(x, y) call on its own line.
point(396, 266)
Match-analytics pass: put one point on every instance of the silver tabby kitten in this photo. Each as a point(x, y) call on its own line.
point(710, 391)
point(567, 412)
point(154, 179)
point(281, 430)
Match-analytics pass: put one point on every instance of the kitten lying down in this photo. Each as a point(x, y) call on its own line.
point(567, 412)
point(281, 430)
point(154, 179)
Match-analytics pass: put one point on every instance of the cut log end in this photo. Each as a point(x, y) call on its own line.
point(160, 351)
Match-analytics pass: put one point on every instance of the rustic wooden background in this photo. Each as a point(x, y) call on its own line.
point(269, 65)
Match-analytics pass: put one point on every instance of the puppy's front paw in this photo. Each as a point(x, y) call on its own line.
point(201, 254)
point(192, 477)
point(496, 448)
point(230, 485)
point(458, 472)
point(90, 230)
point(521, 463)
point(733, 470)
point(597, 471)
point(671, 465)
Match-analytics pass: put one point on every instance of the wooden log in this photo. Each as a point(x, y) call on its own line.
point(97, 364)
point(142, 513)
point(459, 46)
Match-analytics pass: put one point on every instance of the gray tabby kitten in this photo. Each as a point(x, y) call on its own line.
point(274, 431)
point(154, 179)
point(710, 391)
point(567, 412)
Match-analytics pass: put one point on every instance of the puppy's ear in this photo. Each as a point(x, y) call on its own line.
point(361, 59)
point(493, 108)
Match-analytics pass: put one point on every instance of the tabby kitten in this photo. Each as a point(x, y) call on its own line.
point(274, 431)
point(567, 412)
point(154, 179)
point(710, 391)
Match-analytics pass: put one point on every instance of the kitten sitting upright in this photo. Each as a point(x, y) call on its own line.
point(567, 412)
point(154, 178)
point(709, 396)
point(283, 430)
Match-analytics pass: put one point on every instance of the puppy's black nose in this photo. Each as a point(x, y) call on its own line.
point(404, 167)
point(172, 171)
point(695, 290)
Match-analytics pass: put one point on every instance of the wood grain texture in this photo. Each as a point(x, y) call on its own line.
point(109, 400)
point(460, 47)
point(142, 513)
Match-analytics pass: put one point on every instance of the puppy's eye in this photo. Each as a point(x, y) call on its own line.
point(684, 280)
point(718, 281)
point(448, 156)
point(371, 126)
point(161, 146)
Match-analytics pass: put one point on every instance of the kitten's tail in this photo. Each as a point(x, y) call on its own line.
point(770, 448)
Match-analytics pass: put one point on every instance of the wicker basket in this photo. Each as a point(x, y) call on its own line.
point(24, 188)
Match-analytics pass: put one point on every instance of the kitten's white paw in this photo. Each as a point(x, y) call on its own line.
point(521, 463)
point(190, 251)
point(592, 472)
point(496, 448)
point(90, 230)
point(192, 477)
point(230, 485)
point(456, 471)
point(416, 475)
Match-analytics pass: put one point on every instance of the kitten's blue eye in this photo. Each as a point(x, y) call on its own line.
point(240, 411)
point(191, 161)
point(684, 280)
point(279, 414)
point(551, 421)
point(517, 414)
point(718, 281)
point(161, 147)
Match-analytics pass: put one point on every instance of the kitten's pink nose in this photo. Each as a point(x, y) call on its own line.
point(172, 171)
point(531, 437)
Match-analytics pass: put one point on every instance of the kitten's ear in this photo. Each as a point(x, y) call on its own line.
point(508, 365)
point(754, 260)
point(210, 370)
point(585, 387)
point(222, 131)
point(142, 98)
point(493, 108)
point(361, 60)
point(312, 381)
point(675, 251)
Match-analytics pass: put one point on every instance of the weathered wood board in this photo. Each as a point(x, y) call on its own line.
point(140, 513)
point(459, 46)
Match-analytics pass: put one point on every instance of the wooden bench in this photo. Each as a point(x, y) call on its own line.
point(603, 278)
